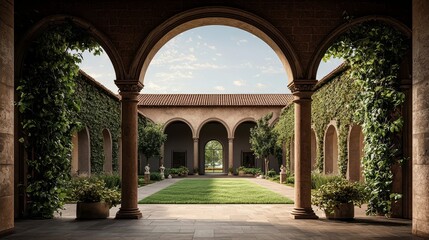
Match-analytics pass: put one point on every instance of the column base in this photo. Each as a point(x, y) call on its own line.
point(130, 213)
point(303, 213)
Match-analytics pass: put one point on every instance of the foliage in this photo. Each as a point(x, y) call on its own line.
point(217, 190)
point(271, 173)
point(330, 195)
point(319, 179)
point(95, 191)
point(231, 170)
point(374, 52)
point(254, 171)
point(46, 103)
point(111, 181)
point(284, 130)
point(99, 110)
point(263, 139)
point(151, 138)
point(155, 176)
point(181, 171)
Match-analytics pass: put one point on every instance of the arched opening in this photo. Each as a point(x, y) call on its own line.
point(355, 154)
point(243, 156)
point(81, 153)
point(331, 151)
point(107, 147)
point(214, 130)
point(213, 157)
point(178, 149)
point(313, 149)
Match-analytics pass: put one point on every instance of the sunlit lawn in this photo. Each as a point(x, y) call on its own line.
point(207, 191)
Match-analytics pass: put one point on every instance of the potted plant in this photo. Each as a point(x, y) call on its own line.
point(338, 198)
point(94, 199)
point(196, 172)
point(230, 171)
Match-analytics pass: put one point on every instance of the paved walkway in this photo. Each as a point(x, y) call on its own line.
point(213, 221)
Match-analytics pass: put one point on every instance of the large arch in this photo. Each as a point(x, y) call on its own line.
point(83, 152)
point(107, 149)
point(178, 119)
point(214, 120)
point(216, 16)
point(213, 130)
point(46, 22)
point(242, 155)
point(179, 146)
point(330, 39)
point(234, 129)
point(331, 150)
point(355, 153)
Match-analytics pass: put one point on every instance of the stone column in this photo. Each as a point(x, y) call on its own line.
point(196, 153)
point(6, 117)
point(129, 91)
point(420, 150)
point(230, 154)
point(302, 91)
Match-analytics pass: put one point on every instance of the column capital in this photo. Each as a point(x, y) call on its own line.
point(195, 139)
point(301, 88)
point(129, 86)
point(230, 139)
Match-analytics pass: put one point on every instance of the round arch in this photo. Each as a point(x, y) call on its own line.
point(228, 130)
point(179, 120)
point(355, 145)
point(313, 149)
point(107, 148)
point(46, 22)
point(240, 122)
point(330, 165)
point(329, 40)
point(216, 16)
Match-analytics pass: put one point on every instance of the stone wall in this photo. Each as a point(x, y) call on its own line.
point(6, 116)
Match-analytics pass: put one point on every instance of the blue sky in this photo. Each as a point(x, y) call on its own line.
point(209, 59)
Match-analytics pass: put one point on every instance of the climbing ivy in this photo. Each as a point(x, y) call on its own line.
point(374, 51)
point(99, 110)
point(284, 129)
point(46, 103)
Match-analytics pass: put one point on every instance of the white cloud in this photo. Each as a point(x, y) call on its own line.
point(219, 88)
point(191, 49)
point(269, 69)
point(219, 54)
point(199, 37)
point(241, 41)
point(239, 83)
point(257, 75)
point(260, 85)
point(210, 46)
point(189, 40)
point(168, 76)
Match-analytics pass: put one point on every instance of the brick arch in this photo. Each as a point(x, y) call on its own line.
point(46, 22)
point(240, 122)
point(216, 16)
point(166, 124)
point(228, 131)
point(330, 39)
point(331, 150)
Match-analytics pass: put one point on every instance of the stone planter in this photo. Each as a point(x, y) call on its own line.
point(95, 210)
point(345, 211)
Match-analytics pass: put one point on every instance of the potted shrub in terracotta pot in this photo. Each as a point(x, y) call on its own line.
point(338, 198)
point(94, 199)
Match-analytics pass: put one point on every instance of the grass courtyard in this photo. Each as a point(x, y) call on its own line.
point(215, 191)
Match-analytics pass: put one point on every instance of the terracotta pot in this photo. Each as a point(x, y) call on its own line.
point(345, 211)
point(95, 210)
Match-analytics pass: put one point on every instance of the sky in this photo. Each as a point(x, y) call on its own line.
point(209, 59)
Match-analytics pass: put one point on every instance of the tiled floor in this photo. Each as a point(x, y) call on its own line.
point(207, 221)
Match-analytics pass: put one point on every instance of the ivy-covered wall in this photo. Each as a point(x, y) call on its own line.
point(100, 109)
point(333, 100)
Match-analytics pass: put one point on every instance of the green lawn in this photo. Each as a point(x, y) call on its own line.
point(206, 191)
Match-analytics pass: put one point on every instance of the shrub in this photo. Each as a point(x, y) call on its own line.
point(271, 173)
point(112, 180)
point(155, 176)
point(319, 179)
point(167, 172)
point(85, 190)
point(254, 171)
point(330, 195)
point(290, 180)
point(181, 171)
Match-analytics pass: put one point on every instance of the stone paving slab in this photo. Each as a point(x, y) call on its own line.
point(213, 221)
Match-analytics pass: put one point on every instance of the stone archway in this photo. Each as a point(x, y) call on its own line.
point(242, 155)
point(83, 152)
point(213, 130)
point(313, 149)
point(331, 151)
point(179, 147)
point(107, 148)
point(355, 153)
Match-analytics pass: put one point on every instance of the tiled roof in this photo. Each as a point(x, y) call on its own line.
point(215, 99)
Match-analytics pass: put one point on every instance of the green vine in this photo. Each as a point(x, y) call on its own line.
point(284, 130)
point(99, 110)
point(374, 52)
point(46, 91)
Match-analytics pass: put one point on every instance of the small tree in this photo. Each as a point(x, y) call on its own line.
point(263, 139)
point(151, 138)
